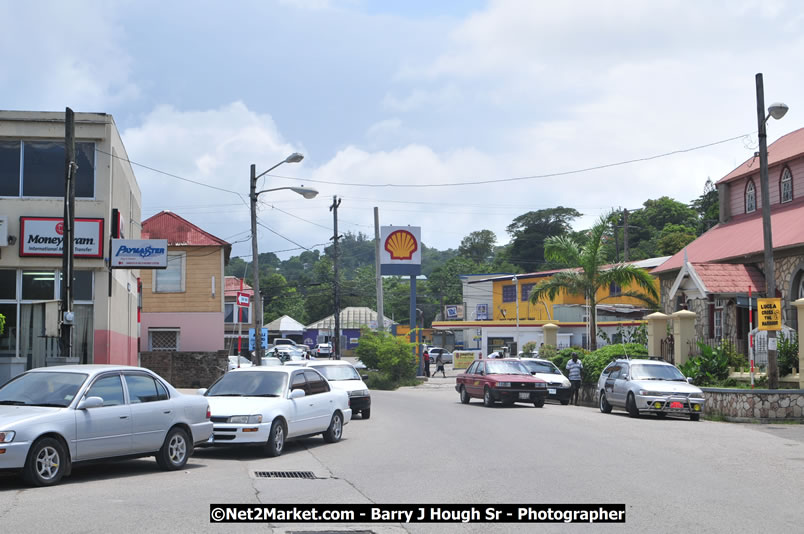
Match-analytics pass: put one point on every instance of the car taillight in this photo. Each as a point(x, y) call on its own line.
point(209, 414)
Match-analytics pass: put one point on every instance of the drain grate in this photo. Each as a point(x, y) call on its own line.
point(305, 475)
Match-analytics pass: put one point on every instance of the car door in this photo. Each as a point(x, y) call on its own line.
point(621, 383)
point(608, 385)
point(323, 404)
point(477, 380)
point(300, 418)
point(104, 431)
point(151, 412)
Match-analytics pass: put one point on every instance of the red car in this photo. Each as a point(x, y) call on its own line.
point(500, 380)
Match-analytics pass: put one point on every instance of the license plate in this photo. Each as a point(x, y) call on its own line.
point(675, 405)
point(551, 391)
point(524, 395)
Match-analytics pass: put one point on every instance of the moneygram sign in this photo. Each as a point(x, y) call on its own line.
point(44, 236)
point(139, 253)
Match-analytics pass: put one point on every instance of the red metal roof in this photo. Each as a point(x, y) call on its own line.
point(730, 277)
point(180, 232)
point(783, 149)
point(233, 287)
point(742, 236)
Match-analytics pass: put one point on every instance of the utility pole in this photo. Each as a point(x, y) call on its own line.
point(625, 236)
point(68, 225)
point(770, 275)
point(336, 346)
point(378, 269)
point(255, 265)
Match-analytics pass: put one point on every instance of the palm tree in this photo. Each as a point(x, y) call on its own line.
point(591, 274)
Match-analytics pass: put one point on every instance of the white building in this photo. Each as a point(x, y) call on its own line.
point(31, 210)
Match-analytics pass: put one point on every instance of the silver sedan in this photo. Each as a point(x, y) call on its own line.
point(54, 417)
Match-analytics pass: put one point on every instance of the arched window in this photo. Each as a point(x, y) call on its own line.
point(750, 197)
point(786, 185)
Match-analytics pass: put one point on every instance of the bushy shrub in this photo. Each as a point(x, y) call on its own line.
point(391, 356)
point(564, 355)
point(711, 368)
point(529, 348)
point(546, 352)
point(787, 354)
point(595, 362)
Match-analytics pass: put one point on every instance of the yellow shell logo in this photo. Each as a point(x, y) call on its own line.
point(401, 245)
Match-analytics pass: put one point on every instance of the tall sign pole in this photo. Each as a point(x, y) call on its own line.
point(255, 264)
point(378, 269)
point(68, 225)
point(336, 346)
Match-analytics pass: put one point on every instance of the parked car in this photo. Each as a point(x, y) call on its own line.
point(435, 352)
point(284, 341)
point(286, 353)
point(648, 386)
point(52, 418)
point(264, 406)
point(270, 361)
point(238, 361)
point(558, 386)
point(500, 380)
point(322, 350)
point(343, 375)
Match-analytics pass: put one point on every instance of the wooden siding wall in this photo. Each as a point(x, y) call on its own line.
point(201, 264)
point(737, 189)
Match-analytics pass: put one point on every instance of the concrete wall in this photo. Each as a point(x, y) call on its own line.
point(187, 369)
point(197, 331)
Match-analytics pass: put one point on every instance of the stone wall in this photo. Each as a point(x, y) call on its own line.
point(764, 405)
point(186, 369)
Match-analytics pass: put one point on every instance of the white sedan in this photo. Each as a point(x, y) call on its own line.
point(54, 417)
point(267, 405)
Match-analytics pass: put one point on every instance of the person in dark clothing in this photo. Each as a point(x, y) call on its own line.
point(440, 366)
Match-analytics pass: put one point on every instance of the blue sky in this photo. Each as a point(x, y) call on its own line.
point(401, 92)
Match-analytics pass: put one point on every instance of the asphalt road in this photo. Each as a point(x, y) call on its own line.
point(422, 446)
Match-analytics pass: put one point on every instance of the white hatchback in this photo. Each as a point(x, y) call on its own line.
point(267, 405)
point(342, 375)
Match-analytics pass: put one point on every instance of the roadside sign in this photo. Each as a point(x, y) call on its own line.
point(242, 299)
point(770, 314)
point(461, 359)
point(252, 334)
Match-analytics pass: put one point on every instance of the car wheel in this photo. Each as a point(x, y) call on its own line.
point(276, 439)
point(631, 407)
point(488, 400)
point(539, 402)
point(365, 414)
point(695, 417)
point(605, 407)
point(46, 463)
point(175, 450)
point(335, 430)
point(464, 396)
point(564, 402)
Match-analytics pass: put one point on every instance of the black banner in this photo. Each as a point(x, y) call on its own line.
point(417, 513)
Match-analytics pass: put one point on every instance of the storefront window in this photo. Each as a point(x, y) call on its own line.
point(9, 168)
point(82, 285)
point(38, 285)
point(8, 339)
point(8, 284)
point(43, 169)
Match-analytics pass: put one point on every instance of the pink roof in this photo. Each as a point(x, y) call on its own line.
point(742, 236)
point(730, 277)
point(783, 149)
point(233, 287)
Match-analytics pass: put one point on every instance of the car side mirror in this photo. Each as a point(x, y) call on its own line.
point(90, 402)
point(297, 393)
point(689, 380)
point(201, 391)
point(364, 377)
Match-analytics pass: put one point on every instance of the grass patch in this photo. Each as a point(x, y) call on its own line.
point(716, 417)
point(383, 381)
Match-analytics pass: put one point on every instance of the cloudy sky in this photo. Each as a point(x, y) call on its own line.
point(391, 101)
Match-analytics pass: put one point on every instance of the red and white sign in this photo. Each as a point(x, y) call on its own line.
point(43, 236)
point(242, 299)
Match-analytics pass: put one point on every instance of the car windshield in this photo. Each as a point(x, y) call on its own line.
point(249, 384)
point(56, 389)
point(506, 368)
point(655, 372)
point(338, 372)
point(541, 367)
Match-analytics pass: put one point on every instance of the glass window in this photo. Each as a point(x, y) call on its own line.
point(161, 391)
point(43, 169)
point(46, 387)
point(8, 284)
point(249, 384)
point(471, 368)
point(614, 372)
point(509, 293)
point(38, 285)
point(82, 285)
point(787, 185)
point(141, 389)
point(9, 168)
point(615, 289)
point(526, 289)
point(170, 280)
point(338, 372)
point(718, 324)
point(109, 388)
point(8, 339)
point(750, 197)
point(316, 383)
point(231, 311)
point(298, 382)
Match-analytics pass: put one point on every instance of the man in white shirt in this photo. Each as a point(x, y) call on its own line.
point(574, 368)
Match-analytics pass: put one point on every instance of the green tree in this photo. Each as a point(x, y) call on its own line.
point(445, 281)
point(592, 275)
point(530, 230)
point(707, 206)
point(478, 246)
point(646, 224)
point(673, 238)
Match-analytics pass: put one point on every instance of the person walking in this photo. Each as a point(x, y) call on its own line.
point(440, 366)
point(574, 368)
point(426, 358)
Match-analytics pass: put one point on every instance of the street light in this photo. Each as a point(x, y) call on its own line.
point(777, 111)
point(255, 262)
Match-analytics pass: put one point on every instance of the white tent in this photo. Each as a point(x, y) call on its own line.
point(286, 326)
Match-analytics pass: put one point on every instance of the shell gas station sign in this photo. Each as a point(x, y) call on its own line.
point(401, 250)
